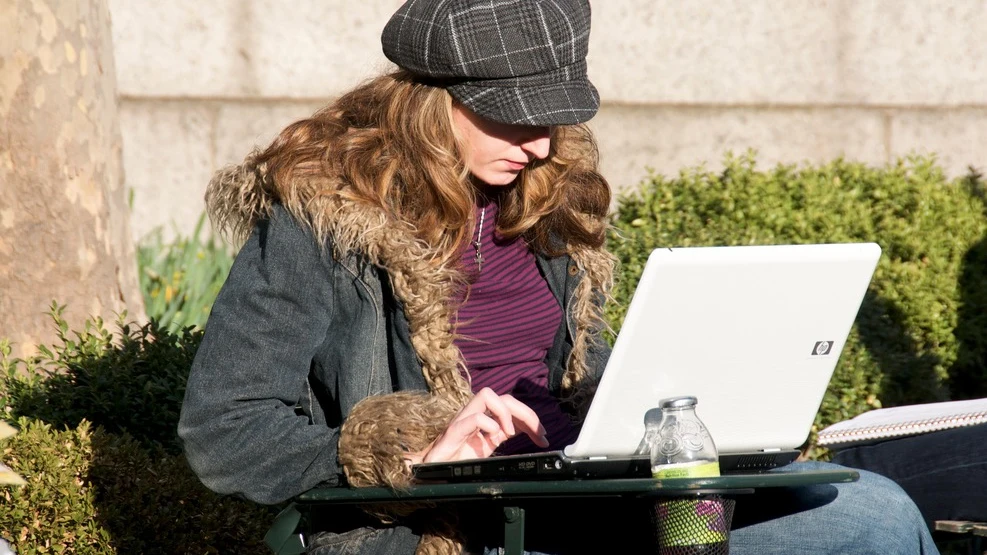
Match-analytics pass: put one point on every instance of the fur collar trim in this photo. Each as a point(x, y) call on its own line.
point(237, 198)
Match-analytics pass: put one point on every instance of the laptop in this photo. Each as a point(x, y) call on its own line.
point(754, 332)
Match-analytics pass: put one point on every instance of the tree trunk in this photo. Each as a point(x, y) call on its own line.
point(64, 232)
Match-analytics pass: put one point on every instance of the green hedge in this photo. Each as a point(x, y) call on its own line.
point(122, 486)
point(90, 491)
point(920, 334)
point(132, 385)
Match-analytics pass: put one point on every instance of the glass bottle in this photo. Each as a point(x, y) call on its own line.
point(682, 447)
point(652, 419)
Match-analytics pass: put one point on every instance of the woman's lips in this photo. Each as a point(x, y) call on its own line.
point(515, 165)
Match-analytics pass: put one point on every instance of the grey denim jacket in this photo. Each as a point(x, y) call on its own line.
point(295, 339)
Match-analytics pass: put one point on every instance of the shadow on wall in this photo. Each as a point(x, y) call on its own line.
point(968, 376)
point(911, 374)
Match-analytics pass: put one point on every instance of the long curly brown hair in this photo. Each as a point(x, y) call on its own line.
point(391, 143)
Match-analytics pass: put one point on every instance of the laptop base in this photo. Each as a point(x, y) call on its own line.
point(554, 465)
point(759, 461)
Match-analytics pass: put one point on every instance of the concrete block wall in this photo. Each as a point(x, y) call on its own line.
point(201, 83)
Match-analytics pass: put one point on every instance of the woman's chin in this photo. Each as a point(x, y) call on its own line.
point(498, 179)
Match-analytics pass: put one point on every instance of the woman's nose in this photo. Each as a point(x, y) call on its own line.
point(538, 143)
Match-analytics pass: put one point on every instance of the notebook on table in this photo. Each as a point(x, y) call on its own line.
point(754, 332)
point(908, 420)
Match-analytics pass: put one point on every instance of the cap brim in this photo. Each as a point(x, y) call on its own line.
point(564, 103)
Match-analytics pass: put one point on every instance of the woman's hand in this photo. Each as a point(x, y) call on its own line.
point(484, 423)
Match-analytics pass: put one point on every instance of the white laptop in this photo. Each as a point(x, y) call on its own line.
point(753, 332)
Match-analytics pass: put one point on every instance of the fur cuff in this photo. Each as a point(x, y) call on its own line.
point(380, 431)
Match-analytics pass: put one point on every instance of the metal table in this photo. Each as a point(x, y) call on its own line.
point(286, 536)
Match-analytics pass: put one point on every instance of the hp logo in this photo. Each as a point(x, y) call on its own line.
point(822, 348)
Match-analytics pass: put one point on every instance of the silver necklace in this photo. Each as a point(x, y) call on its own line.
point(476, 244)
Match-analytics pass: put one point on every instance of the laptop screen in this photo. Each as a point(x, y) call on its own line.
point(754, 332)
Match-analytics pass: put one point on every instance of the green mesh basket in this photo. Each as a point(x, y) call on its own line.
point(693, 526)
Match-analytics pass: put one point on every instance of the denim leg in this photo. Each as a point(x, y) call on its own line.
point(870, 516)
point(396, 540)
point(943, 472)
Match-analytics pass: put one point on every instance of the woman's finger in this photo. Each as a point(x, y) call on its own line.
point(526, 419)
point(462, 430)
point(483, 424)
point(508, 411)
point(495, 406)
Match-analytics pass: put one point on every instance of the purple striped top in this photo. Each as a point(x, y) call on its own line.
point(506, 327)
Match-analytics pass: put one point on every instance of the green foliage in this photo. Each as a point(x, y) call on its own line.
point(98, 413)
point(92, 492)
point(54, 512)
point(180, 280)
point(131, 383)
point(929, 291)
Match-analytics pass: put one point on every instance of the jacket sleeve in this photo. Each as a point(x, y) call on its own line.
point(238, 423)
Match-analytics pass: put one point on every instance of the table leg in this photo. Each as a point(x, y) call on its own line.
point(513, 530)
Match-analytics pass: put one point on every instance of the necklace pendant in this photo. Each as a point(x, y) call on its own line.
point(478, 243)
point(479, 257)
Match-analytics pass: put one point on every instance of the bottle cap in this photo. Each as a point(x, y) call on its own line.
point(678, 402)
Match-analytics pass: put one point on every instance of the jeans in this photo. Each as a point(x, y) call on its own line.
point(944, 472)
point(871, 516)
point(395, 540)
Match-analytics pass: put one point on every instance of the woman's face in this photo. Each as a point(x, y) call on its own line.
point(497, 152)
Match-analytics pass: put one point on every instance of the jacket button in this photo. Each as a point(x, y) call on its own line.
point(573, 269)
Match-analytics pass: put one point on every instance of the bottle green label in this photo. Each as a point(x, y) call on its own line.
point(700, 469)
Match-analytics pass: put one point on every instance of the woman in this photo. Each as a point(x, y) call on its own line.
point(421, 281)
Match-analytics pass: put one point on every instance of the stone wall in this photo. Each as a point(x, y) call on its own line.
point(681, 83)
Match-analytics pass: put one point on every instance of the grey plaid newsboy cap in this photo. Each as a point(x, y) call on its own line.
point(512, 61)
